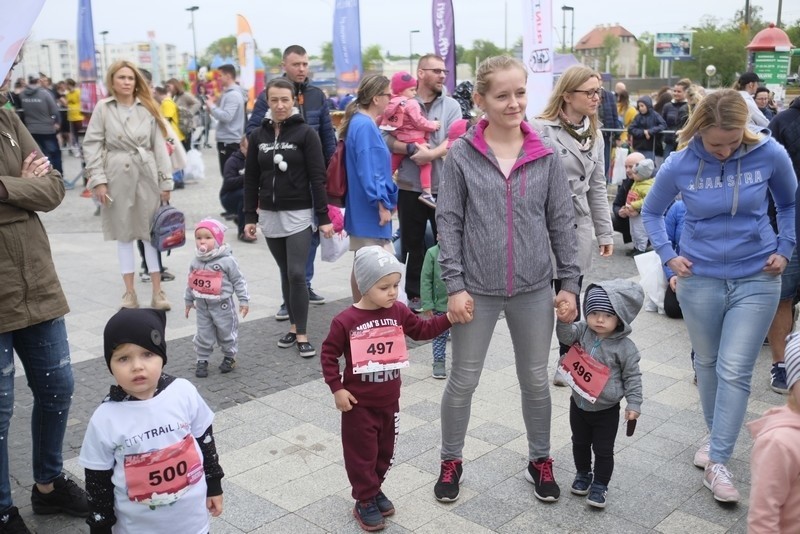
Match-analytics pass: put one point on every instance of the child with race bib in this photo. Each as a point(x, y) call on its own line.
point(601, 366)
point(214, 277)
point(371, 336)
point(149, 452)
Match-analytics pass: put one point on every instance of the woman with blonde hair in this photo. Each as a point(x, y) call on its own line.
point(730, 260)
point(569, 121)
point(371, 192)
point(504, 204)
point(129, 172)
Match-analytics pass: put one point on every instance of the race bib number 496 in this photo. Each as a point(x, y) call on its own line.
point(584, 374)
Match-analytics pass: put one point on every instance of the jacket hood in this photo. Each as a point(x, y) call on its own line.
point(627, 299)
point(647, 102)
point(293, 118)
point(778, 417)
point(31, 90)
point(696, 146)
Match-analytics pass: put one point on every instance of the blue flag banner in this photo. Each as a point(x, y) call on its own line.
point(87, 62)
point(444, 39)
point(347, 46)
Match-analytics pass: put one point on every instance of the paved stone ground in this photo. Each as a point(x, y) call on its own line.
point(278, 431)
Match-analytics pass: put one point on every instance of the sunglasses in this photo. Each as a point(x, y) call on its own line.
point(438, 72)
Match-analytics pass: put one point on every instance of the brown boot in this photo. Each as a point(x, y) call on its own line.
point(129, 300)
point(160, 301)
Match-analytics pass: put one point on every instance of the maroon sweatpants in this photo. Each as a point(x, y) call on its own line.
point(369, 436)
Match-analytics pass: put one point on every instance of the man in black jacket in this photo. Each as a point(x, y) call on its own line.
point(785, 128)
point(675, 113)
point(313, 106)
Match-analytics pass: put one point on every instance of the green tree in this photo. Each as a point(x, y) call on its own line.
point(371, 57)
point(225, 47)
point(610, 52)
point(273, 58)
point(481, 49)
point(327, 54)
point(646, 54)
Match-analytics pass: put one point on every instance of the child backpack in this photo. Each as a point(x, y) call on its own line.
point(336, 185)
point(168, 230)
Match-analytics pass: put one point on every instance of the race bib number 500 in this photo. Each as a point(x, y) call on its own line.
point(160, 477)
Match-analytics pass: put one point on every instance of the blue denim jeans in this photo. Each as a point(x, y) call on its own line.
point(727, 321)
point(44, 352)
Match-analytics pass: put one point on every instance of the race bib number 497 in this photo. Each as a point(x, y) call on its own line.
point(378, 349)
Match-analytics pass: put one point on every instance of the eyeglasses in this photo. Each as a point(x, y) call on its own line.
point(591, 93)
point(438, 72)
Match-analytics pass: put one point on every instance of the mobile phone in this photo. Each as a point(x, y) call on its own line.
point(631, 427)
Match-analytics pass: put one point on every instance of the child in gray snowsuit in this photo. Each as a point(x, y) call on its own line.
point(214, 276)
point(601, 366)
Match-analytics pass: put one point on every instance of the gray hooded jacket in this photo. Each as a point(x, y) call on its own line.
point(41, 111)
point(618, 352)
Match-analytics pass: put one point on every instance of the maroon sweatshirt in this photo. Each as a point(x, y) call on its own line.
point(380, 388)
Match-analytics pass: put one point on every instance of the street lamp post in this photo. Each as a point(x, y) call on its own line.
point(194, 35)
point(564, 10)
point(411, 50)
point(49, 61)
point(105, 51)
point(700, 56)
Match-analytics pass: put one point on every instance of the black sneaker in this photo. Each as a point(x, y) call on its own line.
point(368, 516)
point(201, 371)
point(581, 484)
point(67, 497)
point(778, 378)
point(287, 340)
point(11, 522)
point(450, 476)
point(314, 298)
point(597, 495)
point(540, 474)
point(384, 504)
point(306, 349)
point(227, 365)
point(167, 276)
point(283, 314)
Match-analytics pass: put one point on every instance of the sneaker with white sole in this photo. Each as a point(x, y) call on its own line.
point(540, 474)
point(777, 381)
point(719, 480)
point(597, 495)
point(450, 476)
point(701, 456)
point(439, 370)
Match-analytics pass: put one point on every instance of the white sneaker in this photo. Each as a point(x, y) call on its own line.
point(718, 479)
point(701, 456)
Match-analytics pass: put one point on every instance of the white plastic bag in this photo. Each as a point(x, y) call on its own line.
point(652, 279)
point(195, 169)
point(618, 171)
point(333, 248)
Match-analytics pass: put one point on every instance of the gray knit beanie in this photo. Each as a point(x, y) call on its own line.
point(373, 263)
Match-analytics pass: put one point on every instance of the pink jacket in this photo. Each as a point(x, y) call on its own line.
point(406, 116)
point(775, 472)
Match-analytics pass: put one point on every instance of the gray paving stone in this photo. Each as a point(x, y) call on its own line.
point(246, 511)
point(492, 468)
point(703, 505)
point(427, 410)
point(489, 512)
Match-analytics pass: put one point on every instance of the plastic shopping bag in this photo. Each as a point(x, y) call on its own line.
point(333, 248)
point(652, 280)
point(618, 171)
point(195, 169)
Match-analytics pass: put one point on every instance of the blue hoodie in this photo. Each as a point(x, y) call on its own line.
point(726, 234)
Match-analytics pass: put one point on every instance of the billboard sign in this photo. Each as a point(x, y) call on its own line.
point(676, 45)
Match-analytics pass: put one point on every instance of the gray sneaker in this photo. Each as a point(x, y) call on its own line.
point(227, 365)
point(439, 370)
point(201, 371)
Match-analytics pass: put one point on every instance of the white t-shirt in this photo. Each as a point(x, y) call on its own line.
point(159, 482)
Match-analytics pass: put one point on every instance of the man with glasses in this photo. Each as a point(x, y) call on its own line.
point(414, 216)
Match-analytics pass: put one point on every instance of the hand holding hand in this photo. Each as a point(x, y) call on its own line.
point(566, 306)
point(460, 307)
point(344, 400)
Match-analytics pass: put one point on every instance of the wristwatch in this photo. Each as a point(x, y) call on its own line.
point(411, 148)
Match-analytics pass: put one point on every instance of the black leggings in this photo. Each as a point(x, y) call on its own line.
point(290, 254)
point(597, 431)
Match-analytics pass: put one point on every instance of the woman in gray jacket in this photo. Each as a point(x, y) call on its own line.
point(503, 204)
point(570, 123)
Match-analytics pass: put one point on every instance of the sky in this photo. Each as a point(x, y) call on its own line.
point(388, 23)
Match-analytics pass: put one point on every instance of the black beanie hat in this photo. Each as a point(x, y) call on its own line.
point(140, 326)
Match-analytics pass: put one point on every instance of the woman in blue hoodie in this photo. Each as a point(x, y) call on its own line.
point(730, 259)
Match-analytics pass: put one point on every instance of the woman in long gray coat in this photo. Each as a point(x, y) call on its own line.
point(570, 123)
point(129, 172)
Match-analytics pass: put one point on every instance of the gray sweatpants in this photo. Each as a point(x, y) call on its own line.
point(530, 319)
point(218, 322)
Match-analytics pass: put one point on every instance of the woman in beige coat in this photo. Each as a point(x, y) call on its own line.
point(569, 122)
point(129, 171)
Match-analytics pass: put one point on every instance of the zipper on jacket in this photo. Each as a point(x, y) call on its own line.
point(274, 166)
point(725, 238)
point(510, 230)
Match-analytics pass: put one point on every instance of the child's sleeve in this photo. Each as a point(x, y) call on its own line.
point(211, 465)
point(100, 492)
point(771, 480)
point(417, 119)
point(567, 333)
point(188, 296)
point(237, 280)
point(426, 282)
point(420, 329)
point(332, 348)
point(631, 378)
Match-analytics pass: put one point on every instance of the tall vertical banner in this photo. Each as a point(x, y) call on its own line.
point(246, 46)
point(444, 39)
point(347, 46)
point(15, 26)
point(87, 61)
point(537, 52)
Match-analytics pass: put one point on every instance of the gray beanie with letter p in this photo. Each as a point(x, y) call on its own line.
point(373, 263)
